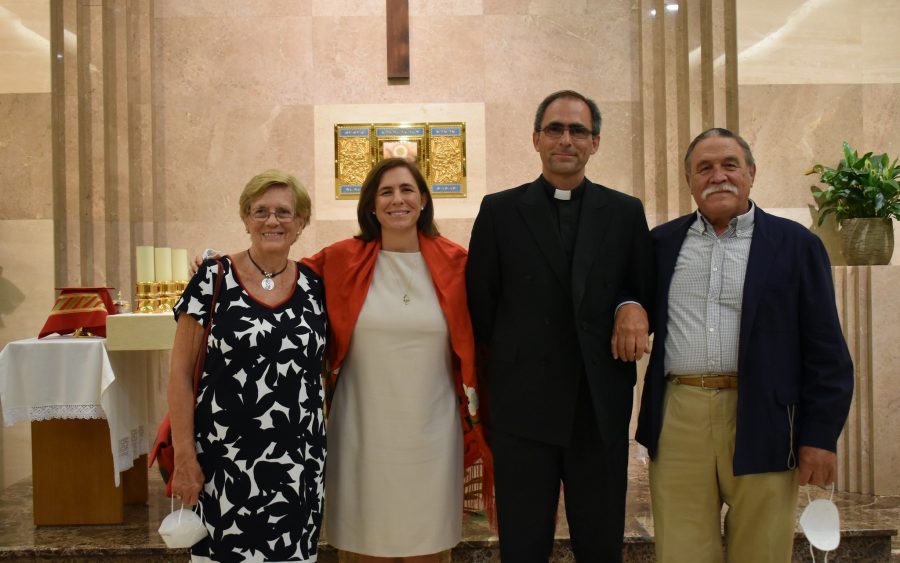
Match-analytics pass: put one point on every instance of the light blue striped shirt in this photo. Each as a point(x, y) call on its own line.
point(705, 297)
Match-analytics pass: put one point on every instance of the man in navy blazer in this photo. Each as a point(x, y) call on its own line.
point(750, 380)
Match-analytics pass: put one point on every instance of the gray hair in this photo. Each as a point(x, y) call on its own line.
point(718, 132)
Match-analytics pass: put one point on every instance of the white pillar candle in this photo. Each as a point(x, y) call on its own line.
point(179, 264)
point(144, 260)
point(163, 264)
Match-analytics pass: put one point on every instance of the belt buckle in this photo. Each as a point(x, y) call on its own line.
point(703, 381)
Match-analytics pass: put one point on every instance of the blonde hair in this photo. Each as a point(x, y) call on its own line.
point(271, 178)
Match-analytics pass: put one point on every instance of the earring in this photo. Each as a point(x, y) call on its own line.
point(421, 209)
point(373, 213)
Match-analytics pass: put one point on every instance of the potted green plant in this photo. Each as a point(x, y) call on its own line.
point(863, 195)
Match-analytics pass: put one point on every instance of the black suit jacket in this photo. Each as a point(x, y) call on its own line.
point(795, 375)
point(544, 323)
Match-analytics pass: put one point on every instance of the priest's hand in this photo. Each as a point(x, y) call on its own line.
point(631, 333)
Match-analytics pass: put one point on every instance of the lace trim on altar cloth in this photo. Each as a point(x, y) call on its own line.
point(13, 415)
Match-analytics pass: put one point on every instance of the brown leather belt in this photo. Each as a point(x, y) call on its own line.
point(707, 380)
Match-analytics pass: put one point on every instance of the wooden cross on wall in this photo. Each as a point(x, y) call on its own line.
point(398, 39)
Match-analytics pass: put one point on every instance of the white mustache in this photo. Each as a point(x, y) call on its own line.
point(723, 187)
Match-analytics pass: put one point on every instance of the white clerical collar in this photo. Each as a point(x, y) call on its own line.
point(562, 194)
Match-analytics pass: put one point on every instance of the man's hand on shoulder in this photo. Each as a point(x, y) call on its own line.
point(631, 333)
point(817, 466)
point(202, 257)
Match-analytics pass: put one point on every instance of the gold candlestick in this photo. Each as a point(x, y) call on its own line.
point(167, 297)
point(180, 286)
point(147, 297)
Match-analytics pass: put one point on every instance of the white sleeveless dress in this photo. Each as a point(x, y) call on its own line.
point(394, 474)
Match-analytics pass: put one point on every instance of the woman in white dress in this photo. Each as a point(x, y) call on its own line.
point(403, 424)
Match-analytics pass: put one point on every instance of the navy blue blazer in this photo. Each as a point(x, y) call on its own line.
point(795, 375)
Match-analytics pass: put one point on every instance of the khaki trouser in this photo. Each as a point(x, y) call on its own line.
point(692, 477)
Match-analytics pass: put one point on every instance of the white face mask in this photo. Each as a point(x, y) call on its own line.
point(182, 528)
point(821, 524)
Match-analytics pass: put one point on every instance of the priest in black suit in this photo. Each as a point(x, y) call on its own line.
point(559, 273)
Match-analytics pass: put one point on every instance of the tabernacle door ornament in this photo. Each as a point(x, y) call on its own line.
point(447, 159)
point(353, 158)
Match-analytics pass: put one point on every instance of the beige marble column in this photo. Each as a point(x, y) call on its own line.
point(688, 74)
point(868, 450)
point(102, 131)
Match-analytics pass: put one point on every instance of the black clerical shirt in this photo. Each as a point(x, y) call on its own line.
point(567, 213)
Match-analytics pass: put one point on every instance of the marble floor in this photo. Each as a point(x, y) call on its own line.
point(867, 526)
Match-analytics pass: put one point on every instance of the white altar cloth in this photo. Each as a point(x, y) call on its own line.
point(66, 377)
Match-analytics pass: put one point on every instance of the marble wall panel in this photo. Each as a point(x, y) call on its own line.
point(231, 8)
point(446, 8)
point(26, 297)
point(818, 42)
point(222, 61)
point(800, 42)
point(209, 153)
point(881, 118)
point(25, 157)
point(25, 46)
point(511, 158)
point(446, 60)
point(592, 53)
point(26, 277)
point(349, 8)
point(377, 8)
point(612, 165)
point(536, 7)
point(792, 127)
point(880, 41)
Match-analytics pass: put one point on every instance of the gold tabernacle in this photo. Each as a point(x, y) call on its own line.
point(439, 150)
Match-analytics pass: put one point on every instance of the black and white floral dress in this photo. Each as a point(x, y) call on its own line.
point(259, 425)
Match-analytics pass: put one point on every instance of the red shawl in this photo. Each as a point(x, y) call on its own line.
point(347, 268)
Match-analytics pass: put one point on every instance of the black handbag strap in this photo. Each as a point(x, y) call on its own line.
point(201, 354)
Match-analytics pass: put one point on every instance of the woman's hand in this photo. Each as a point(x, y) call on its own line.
point(188, 480)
